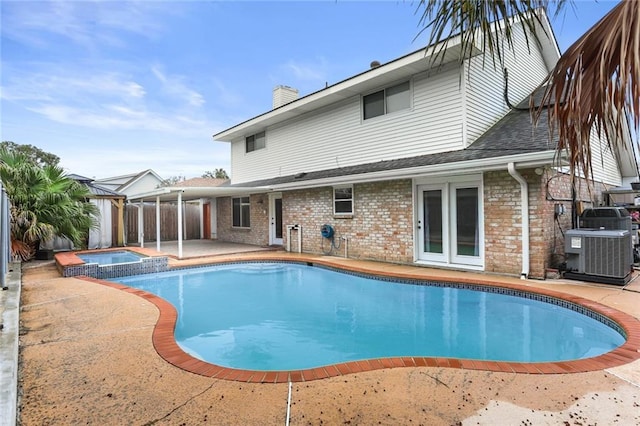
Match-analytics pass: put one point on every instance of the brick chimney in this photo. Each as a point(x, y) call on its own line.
point(282, 95)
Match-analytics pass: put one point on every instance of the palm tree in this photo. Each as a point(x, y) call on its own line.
point(44, 203)
point(593, 87)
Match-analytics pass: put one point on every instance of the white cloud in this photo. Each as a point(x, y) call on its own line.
point(108, 100)
point(174, 86)
point(315, 72)
point(112, 117)
point(188, 157)
point(225, 96)
point(69, 84)
point(86, 23)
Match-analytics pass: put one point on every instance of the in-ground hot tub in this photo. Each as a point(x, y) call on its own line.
point(109, 263)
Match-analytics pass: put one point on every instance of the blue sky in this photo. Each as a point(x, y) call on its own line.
point(117, 87)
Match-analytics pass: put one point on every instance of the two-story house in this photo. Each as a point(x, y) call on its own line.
point(417, 162)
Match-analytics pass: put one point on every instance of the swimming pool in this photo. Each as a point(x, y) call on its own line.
point(285, 316)
point(109, 263)
point(110, 257)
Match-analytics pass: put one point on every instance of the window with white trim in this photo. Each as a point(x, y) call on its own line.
point(254, 142)
point(241, 212)
point(386, 101)
point(343, 200)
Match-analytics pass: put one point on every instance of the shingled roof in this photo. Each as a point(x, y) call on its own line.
point(513, 134)
point(201, 182)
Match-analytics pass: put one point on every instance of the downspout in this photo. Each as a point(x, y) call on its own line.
point(524, 205)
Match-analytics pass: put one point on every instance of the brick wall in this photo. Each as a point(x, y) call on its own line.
point(258, 234)
point(503, 237)
point(380, 228)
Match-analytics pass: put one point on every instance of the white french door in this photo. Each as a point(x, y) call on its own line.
point(449, 223)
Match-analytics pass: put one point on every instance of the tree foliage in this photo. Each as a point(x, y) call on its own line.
point(593, 87)
point(32, 153)
point(216, 174)
point(44, 204)
point(172, 180)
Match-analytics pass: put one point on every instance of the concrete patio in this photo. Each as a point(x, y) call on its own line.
point(87, 357)
point(204, 248)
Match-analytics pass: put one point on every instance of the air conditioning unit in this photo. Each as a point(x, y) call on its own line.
point(598, 255)
point(608, 218)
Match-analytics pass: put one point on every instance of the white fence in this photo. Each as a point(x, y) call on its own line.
point(5, 239)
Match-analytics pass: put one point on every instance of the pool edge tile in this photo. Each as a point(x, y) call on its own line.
point(165, 345)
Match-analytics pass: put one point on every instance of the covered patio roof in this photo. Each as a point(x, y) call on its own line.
point(172, 193)
point(180, 194)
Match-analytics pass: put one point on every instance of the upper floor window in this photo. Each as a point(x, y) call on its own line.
point(254, 142)
point(241, 212)
point(386, 101)
point(343, 200)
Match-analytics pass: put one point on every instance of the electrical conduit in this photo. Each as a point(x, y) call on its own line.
point(524, 205)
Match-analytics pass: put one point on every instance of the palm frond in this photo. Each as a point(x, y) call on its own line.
point(486, 24)
point(22, 250)
point(594, 87)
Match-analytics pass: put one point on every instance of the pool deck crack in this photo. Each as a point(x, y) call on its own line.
point(152, 422)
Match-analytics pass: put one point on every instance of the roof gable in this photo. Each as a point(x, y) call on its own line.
point(398, 69)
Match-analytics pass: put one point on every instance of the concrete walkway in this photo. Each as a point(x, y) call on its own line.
point(87, 358)
point(9, 329)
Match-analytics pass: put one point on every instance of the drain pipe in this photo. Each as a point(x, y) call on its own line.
point(524, 204)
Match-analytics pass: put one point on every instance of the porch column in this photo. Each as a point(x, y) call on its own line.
point(201, 212)
point(179, 224)
point(120, 222)
point(158, 223)
point(141, 223)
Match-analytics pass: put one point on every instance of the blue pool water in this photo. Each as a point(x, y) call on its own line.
point(110, 257)
point(271, 316)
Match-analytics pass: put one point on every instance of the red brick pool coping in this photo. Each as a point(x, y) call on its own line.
point(166, 346)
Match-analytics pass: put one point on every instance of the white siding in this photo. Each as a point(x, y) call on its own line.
point(603, 162)
point(145, 184)
point(484, 86)
point(338, 137)
point(447, 114)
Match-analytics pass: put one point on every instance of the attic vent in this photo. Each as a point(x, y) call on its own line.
point(374, 64)
point(282, 95)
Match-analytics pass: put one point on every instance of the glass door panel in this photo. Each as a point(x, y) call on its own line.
point(278, 218)
point(431, 228)
point(433, 221)
point(467, 222)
